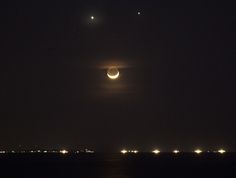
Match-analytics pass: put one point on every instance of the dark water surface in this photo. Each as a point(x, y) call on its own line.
point(117, 165)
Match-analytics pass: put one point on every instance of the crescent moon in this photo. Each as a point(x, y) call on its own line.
point(113, 76)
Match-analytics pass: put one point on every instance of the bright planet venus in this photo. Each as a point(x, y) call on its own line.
point(113, 73)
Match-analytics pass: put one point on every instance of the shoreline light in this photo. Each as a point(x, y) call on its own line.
point(134, 151)
point(156, 151)
point(198, 151)
point(123, 151)
point(176, 151)
point(89, 151)
point(63, 151)
point(221, 151)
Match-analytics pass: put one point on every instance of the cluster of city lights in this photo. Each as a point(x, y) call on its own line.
point(128, 151)
point(76, 152)
point(63, 151)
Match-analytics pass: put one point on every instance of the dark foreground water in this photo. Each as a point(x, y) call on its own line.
point(117, 165)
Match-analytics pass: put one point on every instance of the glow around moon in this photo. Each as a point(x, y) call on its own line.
point(113, 73)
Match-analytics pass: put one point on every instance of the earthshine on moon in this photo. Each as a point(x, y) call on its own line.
point(113, 73)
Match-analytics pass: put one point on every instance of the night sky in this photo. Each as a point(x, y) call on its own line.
point(177, 75)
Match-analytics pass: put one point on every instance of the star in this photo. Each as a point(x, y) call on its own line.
point(92, 17)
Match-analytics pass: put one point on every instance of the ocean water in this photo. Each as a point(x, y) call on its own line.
point(100, 165)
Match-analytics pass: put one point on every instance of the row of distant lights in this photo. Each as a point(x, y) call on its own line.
point(156, 151)
point(45, 151)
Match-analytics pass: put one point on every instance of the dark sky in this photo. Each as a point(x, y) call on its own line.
point(177, 83)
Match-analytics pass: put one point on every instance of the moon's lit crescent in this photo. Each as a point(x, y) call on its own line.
point(112, 75)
